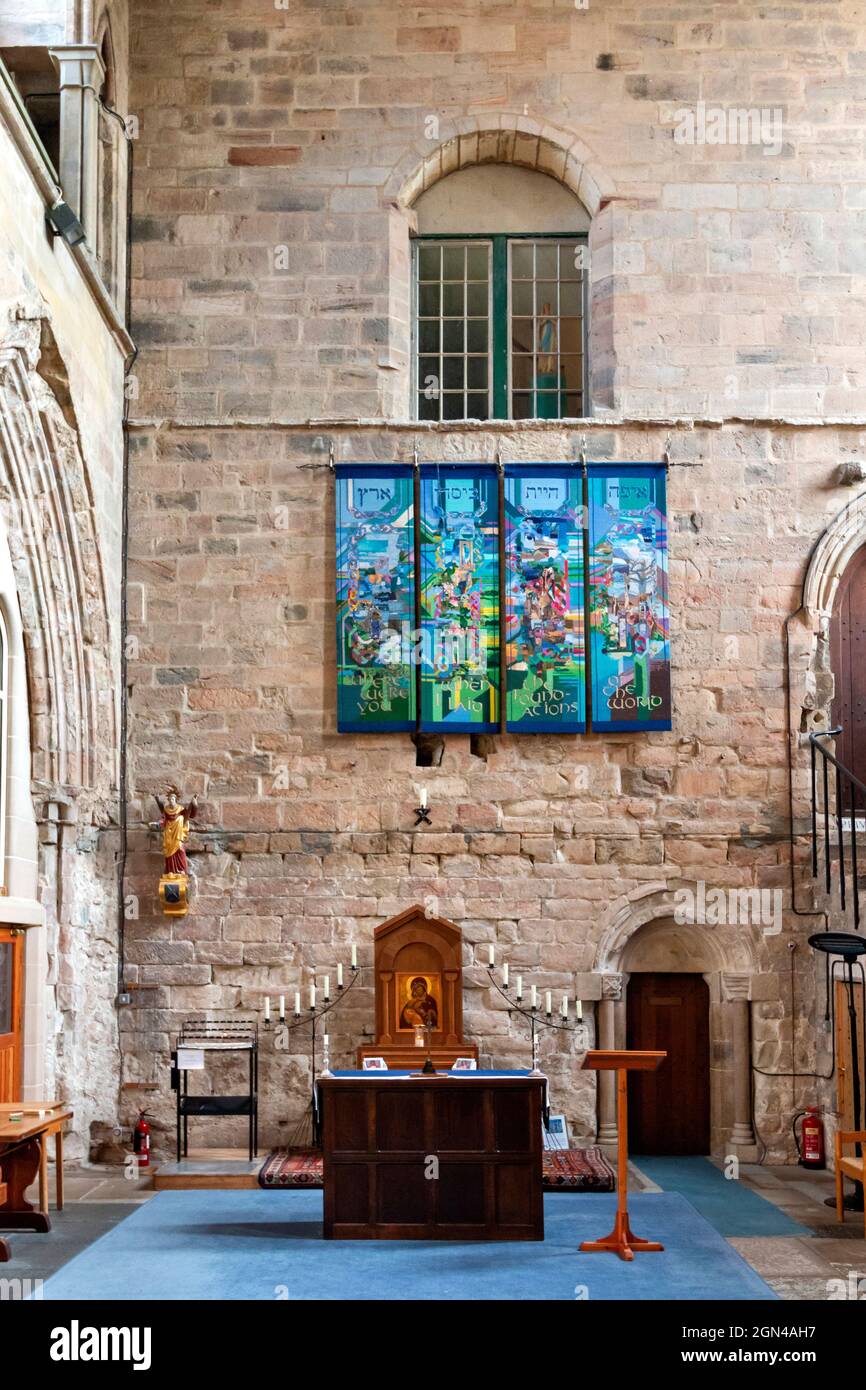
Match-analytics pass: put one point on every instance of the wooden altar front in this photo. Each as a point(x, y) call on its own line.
point(418, 973)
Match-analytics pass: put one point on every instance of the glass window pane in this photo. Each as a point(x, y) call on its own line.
point(546, 260)
point(453, 297)
point(476, 405)
point(571, 372)
point(545, 297)
point(572, 259)
point(521, 407)
point(476, 372)
point(477, 262)
point(428, 335)
point(570, 335)
point(453, 372)
point(427, 409)
point(521, 372)
point(476, 298)
point(452, 335)
point(521, 297)
point(573, 405)
point(521, 259)
point(429, 300)
point(476, 335)
point(429, 258)
point(522, 337)
point(453, 407)
point(428, 371)
point(571, 297)
point(453, 262)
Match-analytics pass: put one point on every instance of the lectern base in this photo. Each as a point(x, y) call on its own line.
point(622, 1241)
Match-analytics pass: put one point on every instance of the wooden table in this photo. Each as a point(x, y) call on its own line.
point(432, 1157)
point(23, 1154)
point(622, 1240)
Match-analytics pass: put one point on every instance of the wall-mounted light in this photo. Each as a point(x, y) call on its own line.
point(422, 811)
point(62, 220)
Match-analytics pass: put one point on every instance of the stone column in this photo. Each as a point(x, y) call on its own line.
point(736, 988)
point(611, 989)
point(82, 73)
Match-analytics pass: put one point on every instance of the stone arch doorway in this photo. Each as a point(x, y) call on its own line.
point(848, 664)
point(649, 940)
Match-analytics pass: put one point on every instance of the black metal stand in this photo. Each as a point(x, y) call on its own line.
point(217, 1036)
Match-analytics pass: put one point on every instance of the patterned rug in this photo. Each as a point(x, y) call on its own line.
point(572, 1170)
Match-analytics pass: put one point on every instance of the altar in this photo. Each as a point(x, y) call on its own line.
point(454, 1156)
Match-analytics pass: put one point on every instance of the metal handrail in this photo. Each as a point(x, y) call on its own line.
point(844, 777)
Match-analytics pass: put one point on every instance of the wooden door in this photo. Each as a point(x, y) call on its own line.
point(11, 1011)
point(848, 661)
point(669, 1109)
point(842, 1040)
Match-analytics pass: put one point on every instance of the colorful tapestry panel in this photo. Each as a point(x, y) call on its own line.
point(628, 606)
point(459, 598)
point(544, 599)
point(375, 598)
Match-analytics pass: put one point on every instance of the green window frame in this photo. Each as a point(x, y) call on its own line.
point(508, 344)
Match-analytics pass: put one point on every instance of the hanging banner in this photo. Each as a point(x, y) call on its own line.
point(375, 598)
point(628, 605)
point(544, 597)
point(459, 598)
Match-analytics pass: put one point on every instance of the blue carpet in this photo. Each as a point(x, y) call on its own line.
point(264, 1245)
point(734, 1210)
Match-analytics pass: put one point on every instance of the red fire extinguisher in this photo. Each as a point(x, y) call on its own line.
point(141, 1140)
point(811, 1150)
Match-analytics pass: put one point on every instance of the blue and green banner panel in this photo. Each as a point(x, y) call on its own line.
point(375, 513)
point(545, 659)
point(459, 589)
point(629, 620)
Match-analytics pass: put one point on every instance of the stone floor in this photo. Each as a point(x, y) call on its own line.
point(828, 1263)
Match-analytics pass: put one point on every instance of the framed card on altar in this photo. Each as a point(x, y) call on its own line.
point(465, 1064)
point(374, 1064)
point(555, 1134)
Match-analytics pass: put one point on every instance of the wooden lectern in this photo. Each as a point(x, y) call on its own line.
point(621, 1239)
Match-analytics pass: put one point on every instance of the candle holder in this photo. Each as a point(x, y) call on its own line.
point(536, 1019)
point(311, 1017)
point(422, 816)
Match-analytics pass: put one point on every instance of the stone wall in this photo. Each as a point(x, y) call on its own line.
point(306, 842)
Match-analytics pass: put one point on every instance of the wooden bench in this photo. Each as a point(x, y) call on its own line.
point(849, 1166)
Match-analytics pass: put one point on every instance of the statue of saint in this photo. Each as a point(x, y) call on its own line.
point(175, 830)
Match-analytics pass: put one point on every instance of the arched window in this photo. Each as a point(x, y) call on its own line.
point(500, 297)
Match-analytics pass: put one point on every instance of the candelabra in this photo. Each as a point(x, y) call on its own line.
point(311, 1017)
point(537, 1018)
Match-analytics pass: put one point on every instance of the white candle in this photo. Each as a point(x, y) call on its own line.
point(564, 1009)
point(354, 957)
point(340, 975)
point(267, 1009)
point(297, 1003)
point(491, 956)
point(282, 1006)
point(327, 989)
point(312, 996)
point(548, 1002)
point(520, 986)
point(505, 974)
point(326, 1039)
point(579, 1007)
point(424, 797)
point(534, 998)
